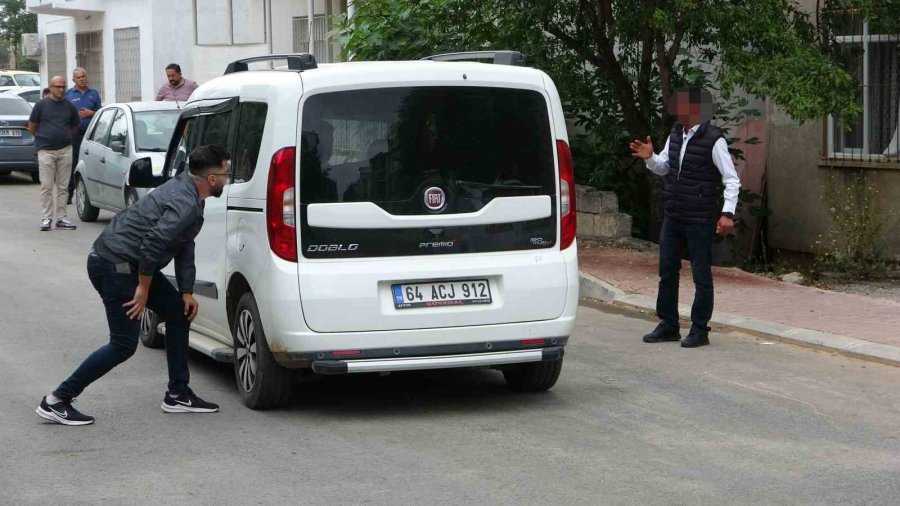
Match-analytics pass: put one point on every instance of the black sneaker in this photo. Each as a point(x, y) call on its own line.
point(187, 403)
point(64, 224)
point(45, 224)
point(662, 333)
point(63, 413)
point(696, 338)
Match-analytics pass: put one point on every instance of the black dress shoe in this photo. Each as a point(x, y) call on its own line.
point(696, 338)
point(662, 333)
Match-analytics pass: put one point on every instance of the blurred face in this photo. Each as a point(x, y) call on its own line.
point(688, 114)
point(173, 76)
point(57, 88)
point(80, 79)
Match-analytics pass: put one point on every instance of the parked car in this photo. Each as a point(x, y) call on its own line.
point(382, 216)
point(117, 135)
point(31, 94)
point(16, 142)
point(18, 78)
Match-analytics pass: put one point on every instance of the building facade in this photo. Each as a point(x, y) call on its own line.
point(125, 45)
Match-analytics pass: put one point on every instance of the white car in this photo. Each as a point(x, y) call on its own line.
point(118, 135)
point(18, 79)
point(31, 94)
point(382, 217)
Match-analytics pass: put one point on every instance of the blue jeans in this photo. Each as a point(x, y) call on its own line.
point(699, 239)
point(116, 288)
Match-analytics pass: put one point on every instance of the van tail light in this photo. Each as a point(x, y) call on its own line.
point(567, 208)
point(281, 216)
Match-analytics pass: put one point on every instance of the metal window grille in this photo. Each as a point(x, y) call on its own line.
point(322, 50)
point(89, 56)
point(56, 56)
point(873, 58)
point(128, 64)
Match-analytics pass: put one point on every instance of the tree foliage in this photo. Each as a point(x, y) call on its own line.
point(617, 62)
point(15, 21)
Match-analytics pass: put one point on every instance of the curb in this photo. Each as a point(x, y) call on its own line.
point(592, 287)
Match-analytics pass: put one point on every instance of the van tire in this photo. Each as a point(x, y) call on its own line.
point(533, 376)
point(269, 385)
point(151, 337)
point(35, 177)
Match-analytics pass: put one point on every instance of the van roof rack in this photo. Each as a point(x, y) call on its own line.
point(296, 61)
point(514, 58)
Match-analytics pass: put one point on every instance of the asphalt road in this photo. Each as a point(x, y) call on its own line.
point(740, 422)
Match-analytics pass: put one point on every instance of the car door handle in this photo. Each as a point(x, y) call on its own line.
point(87, 152)
point(103, 160)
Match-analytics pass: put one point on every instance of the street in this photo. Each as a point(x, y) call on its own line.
point(744, 421)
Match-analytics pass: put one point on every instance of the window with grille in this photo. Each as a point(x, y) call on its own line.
point(56, 56)
point(89, 56)
point(872, 56)
point(127, 48)
point(322, 49)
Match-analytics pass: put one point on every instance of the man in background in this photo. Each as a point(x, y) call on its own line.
point(53, 122)
point(87, 101)
point(178, 88)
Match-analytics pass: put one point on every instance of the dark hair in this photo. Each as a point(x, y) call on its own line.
point(45, 91)
point(174, 66)
point(205, 158)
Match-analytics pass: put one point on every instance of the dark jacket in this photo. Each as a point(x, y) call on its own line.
point(692, 191)
point(160, 227)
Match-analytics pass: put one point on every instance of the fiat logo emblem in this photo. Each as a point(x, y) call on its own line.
point(435, 199)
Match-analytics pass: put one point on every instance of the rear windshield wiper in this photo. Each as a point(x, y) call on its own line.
point(505, 186)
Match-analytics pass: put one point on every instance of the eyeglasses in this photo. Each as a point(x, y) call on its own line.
point(63, 87)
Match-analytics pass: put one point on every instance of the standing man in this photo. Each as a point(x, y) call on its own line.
point(87, 101)
point(695, 164)
point(124, 267)
point(53, 122)
point(178, 88)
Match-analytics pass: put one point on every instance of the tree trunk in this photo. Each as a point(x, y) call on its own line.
point(13, 56)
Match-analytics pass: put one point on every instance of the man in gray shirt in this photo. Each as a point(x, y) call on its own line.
point(53, 121)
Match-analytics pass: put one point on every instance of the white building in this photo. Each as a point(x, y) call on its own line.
point(125, 45)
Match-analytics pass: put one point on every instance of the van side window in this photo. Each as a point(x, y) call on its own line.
point(251, 123)
point(197, 131)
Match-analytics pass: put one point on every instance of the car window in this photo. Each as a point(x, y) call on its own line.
point(102, 126)
point(6, 81)
point(28, 79)
point(31, 96)
point(197, 131)
point(14, 107)
point(153, 129)
point(118, 132)
point(251, 123)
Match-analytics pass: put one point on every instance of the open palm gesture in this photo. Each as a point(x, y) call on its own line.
point(641, 149)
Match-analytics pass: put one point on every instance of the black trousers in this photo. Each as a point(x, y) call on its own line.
point(698, 238)
point(76, 149)
point(116, 288)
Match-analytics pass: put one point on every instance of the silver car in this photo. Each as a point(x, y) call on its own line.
point(118, 135)
point(16, 142)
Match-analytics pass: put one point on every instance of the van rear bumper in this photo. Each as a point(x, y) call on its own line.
point(403, 358)
point(437, 362)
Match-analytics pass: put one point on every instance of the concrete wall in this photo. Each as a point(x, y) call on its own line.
point(169, 35)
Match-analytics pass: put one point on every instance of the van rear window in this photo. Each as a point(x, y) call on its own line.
point(386, 145)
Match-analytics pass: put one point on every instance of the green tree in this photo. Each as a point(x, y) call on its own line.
point(14, 21)
point(617, 62)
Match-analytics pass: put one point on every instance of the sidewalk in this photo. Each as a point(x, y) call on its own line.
point(855, 325)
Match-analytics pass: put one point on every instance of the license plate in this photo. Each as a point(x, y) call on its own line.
point(7, 132)
point(444, 293)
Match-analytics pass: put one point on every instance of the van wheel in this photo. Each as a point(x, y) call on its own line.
point(533, 376)
point(150, 335)
point(261, 382)
point(86, 211)
point(35, 177)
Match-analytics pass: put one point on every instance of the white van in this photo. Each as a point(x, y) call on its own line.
point(382, 216)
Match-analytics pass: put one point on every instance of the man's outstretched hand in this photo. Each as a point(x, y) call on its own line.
point(641, 149)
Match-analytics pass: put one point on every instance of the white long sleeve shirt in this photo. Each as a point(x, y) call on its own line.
point(659, 164)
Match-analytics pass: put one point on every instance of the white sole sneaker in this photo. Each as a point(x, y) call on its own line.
point(185, 409)
point(53, 417)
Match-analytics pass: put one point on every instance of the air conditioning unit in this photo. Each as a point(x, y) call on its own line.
point(31, 45)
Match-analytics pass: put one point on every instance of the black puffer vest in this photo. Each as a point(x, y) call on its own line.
point(692, 192)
